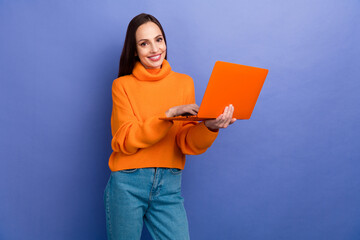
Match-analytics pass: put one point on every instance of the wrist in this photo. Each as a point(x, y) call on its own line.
point(210, 128)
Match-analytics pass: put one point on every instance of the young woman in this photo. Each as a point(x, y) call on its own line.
point(148, 153)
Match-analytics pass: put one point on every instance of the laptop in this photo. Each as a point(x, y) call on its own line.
point(229, 83)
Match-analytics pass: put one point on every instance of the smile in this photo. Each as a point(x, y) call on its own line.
point(155, 57)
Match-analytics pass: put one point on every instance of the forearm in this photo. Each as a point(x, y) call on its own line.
point(133, 135)
point(195, 139)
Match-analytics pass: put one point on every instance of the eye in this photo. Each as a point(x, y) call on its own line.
point(159, 39)
point(143, 44)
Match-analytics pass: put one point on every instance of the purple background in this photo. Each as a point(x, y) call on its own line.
point(291, 172)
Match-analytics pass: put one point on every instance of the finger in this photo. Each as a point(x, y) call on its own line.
point(193, 112)
point(192, 107)
point(222, 120)
point(233, 120)
point(227, 112)
point(232, 109)
point(217, 121)
point(227, 122)
point(226, 109)
point(221, 123)
point(227, 117)
point(232, 116)
point(195, 107)
point(231, 112)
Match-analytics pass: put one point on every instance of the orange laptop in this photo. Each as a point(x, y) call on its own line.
point(229, 83)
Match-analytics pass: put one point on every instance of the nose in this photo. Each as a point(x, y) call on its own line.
point(154, 48)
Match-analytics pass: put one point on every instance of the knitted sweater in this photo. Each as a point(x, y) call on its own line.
point(140, 139)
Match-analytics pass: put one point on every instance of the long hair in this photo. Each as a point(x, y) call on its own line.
point(128, 58)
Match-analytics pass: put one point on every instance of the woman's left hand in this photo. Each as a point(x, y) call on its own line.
point(223, 121)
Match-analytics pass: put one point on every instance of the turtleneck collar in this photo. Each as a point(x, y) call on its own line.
point(143, 74)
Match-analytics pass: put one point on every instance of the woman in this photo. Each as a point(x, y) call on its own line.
point(148, 153)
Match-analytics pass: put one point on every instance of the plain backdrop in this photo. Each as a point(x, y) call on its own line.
point(291, 172)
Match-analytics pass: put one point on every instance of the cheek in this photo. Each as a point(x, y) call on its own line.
point(141, 52)
point(164, 47)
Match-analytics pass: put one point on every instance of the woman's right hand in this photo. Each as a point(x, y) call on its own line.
point(191, 109)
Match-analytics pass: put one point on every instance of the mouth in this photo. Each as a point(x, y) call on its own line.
point(155, 58)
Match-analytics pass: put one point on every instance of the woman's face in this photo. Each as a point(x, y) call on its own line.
point(150, 45)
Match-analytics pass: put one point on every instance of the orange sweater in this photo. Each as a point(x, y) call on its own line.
point(140, 139)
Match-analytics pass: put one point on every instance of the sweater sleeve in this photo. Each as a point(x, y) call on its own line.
point(130, 134)
point(194, 138)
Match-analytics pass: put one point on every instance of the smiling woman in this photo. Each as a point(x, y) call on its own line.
point(149, 153)
point(151, 47)
point(130, 50)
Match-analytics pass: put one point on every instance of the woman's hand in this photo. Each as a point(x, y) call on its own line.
point(223, 121)
point(191, 109)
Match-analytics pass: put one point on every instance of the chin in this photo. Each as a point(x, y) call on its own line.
point(155, 65)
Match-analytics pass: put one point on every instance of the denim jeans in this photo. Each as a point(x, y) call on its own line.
point(150, 195)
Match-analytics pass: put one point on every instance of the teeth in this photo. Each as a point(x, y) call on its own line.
point(155, 57)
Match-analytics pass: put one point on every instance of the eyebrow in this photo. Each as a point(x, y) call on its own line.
point(160, 35)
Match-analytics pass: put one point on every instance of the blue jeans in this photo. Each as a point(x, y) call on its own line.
point(150, 195)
